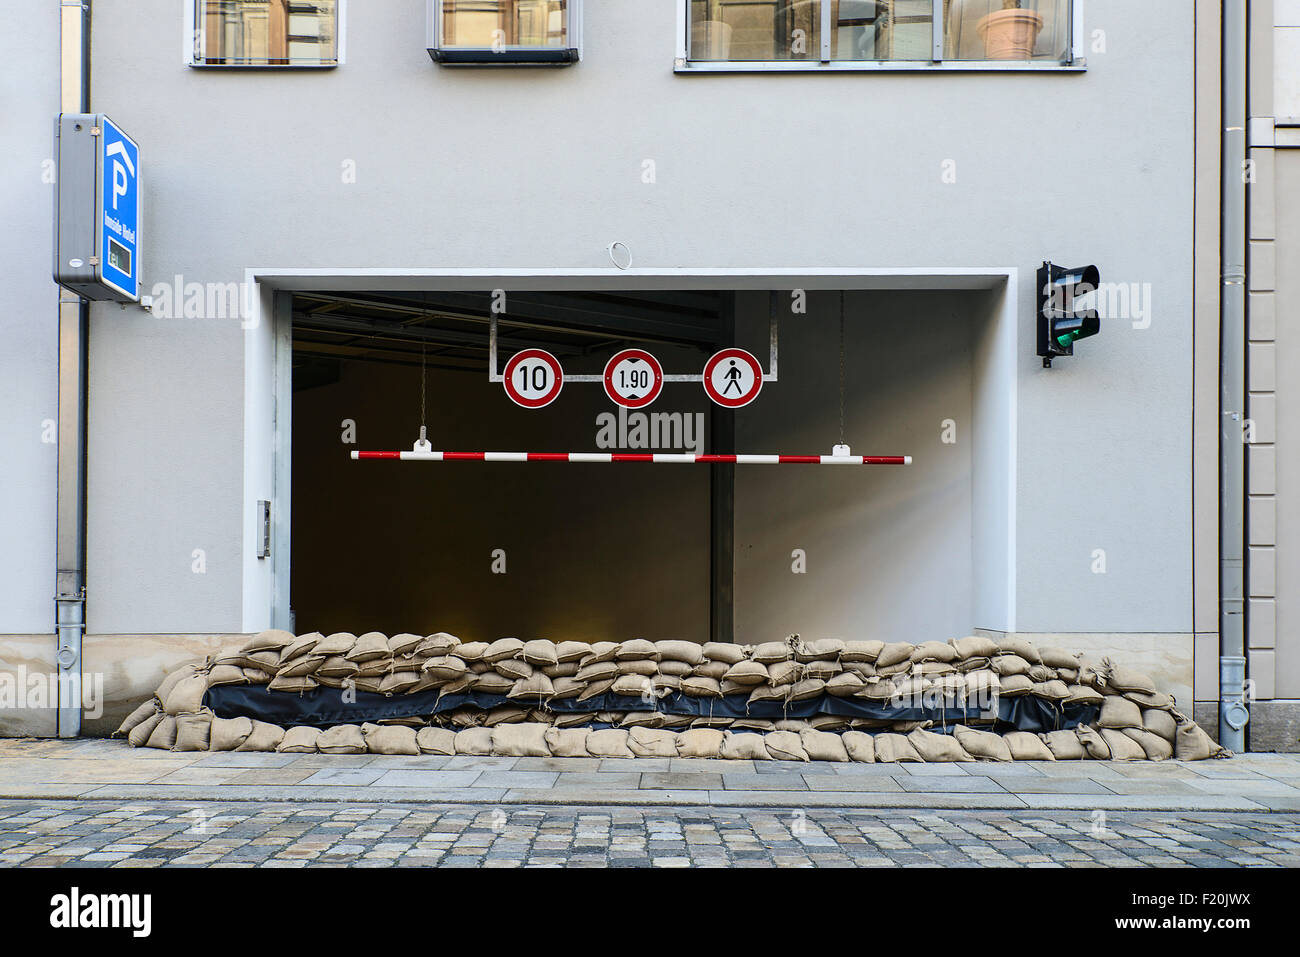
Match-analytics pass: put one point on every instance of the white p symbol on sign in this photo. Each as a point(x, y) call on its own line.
point(120, 170)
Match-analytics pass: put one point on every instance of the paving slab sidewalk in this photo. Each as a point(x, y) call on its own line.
point(100, 769)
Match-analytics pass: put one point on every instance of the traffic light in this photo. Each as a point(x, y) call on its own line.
point(1062, 318)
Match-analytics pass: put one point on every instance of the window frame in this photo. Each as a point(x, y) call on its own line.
point(567, 55)
point(194, 40)
point(1077, 63)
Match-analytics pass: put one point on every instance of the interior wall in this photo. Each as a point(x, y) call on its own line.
point(888, 550)
point(592, 552)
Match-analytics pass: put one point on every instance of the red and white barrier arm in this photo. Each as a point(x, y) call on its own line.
point(658, 458)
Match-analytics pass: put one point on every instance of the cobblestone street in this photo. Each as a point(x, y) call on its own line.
point(242, 833)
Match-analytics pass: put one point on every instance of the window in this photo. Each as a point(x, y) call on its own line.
point(485, 32)
point(997, 34)
point(266, 33)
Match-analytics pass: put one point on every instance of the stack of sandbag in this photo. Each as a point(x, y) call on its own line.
point(527, 679)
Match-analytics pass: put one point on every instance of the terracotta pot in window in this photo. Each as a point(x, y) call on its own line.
point(1010, 34)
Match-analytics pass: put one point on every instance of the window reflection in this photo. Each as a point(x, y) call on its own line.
point(269, 32)
point(493, 24)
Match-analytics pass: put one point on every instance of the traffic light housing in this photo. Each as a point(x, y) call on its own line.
point(1061, 319)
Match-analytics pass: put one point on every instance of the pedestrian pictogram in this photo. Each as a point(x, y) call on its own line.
point(633, 378)
point(733, 378)
point(533, 378)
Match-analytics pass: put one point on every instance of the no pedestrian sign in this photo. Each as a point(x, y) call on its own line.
point(633, 378)
point(533, 378)
point(733, 378)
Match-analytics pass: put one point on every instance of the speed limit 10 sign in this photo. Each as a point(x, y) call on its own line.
point(533, 378)
point(633, 378)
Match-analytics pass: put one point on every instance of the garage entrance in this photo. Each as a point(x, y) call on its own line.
point(597, 552)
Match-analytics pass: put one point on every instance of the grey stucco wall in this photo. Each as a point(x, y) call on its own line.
point(513, 168)
point(29, 328)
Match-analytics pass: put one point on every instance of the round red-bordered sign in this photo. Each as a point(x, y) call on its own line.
point(633, 378)
point(533, 378)
point(733, 378)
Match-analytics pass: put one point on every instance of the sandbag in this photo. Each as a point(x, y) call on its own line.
point(1118, 712)
point(339, 643)
point(861, 747)
point(403, 644)
point(845, 684)
point(1064, 745)
point(1126, 679)
point(975, 646)
point(893, 748)
point(139, 735)
point(700, 687)
point(935, 748)
point(1160, 723)
point(389, 739)
point(784, 746)
point(700, 743)
point(226, 675)
point(894, 653)
point(770, 652)
point(303, 684)
point(540, 653)
point(1028, 747)
point(567, 743)
point(193, 732)
point(933, 651)
point(747, 673)
point(146, 710)
point(984, 745)
point(341, 739)
point(743, 746)
point(476, 741)
point(515, 668)
point(1093, 743)
point(436, 645)
point(163, 735)
point(273, 639)
point(725, 652)
point(536, 686)
point(638, 649)
point(299, 740)
point(609, 743)
point(520, 740)
point(172, 680)
point(1019, 646)
point(822, 746)
point(227, 734)
point(571, 651)
point(1056, 658)
point(1153, 746)
point(502, 649)
point(1122, 747)
point(1191, 743)
point(440, 741)
point(652, 743)
point(675, 650)
point(819, 649)
point(861, 651)
point(368, 647)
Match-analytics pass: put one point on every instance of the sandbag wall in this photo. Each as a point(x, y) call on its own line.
point(826, 699)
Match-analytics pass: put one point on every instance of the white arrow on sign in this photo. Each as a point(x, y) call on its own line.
point(119, 184)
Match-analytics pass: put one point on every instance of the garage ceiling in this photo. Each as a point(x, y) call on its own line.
point(451, 328)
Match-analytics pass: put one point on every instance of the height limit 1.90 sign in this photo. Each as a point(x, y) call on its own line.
point(533, 378)
point(633, 378)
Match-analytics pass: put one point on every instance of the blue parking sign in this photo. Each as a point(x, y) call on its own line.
point(119, 211)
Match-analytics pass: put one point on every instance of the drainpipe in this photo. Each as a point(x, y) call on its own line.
point(1233, 713)
point(70, 548)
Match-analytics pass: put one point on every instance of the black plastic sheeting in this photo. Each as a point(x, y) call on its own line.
point(322, 707)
